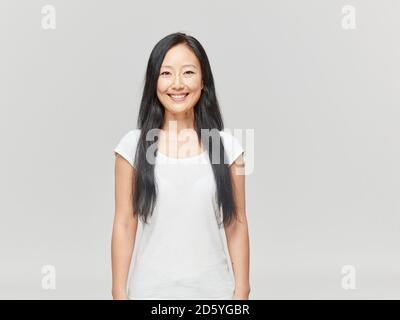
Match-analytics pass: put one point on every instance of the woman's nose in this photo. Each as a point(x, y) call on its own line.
point(178, 82)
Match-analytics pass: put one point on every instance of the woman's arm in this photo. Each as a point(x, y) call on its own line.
point(124, 227)
point(237, 234)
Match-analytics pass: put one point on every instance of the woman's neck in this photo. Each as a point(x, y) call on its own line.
point(176, 122)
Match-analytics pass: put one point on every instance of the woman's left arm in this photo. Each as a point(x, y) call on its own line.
point(237, 234)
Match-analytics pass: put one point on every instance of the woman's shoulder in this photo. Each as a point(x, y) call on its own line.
point(228, 137)
point(134, 133)
point(126, 146)
point(131, 137)
point(232, 145)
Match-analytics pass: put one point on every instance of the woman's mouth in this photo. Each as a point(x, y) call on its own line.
point(178, 97)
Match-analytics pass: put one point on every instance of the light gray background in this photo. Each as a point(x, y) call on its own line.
point(323, 101)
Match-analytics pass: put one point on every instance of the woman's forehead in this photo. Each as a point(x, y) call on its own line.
point(180, 56)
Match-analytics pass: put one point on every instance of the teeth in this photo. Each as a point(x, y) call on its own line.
point(178, 96)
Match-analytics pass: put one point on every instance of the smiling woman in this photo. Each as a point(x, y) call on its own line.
point(180, 83)
point(182, 202)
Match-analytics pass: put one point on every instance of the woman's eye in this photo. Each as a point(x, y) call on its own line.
point(189, 71)
point(165, 72)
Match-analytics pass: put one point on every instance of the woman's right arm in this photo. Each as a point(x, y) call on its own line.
point(124, 227)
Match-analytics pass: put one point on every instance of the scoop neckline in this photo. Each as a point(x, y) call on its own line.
point(181, 159)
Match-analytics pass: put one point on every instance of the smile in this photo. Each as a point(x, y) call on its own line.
point(178, 97)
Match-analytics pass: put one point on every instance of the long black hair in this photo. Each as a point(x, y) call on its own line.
point(207, 116)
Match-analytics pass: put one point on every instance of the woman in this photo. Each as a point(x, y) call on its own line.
point(179, 186)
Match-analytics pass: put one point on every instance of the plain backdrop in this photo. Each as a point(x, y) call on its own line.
point(323, 102)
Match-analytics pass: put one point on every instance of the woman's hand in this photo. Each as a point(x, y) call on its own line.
point(241, 295)
point(120, 295)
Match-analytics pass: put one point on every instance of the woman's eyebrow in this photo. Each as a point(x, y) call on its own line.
point(185, 65)
point(189, 65)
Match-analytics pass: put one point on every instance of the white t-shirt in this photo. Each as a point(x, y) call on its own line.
point(181, 254)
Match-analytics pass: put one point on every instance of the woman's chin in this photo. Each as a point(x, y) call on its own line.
point(178, 108)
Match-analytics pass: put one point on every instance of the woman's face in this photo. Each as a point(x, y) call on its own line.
point(180, 80)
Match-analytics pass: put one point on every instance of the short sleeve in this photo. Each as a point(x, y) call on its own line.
point(232, 145)
point(126, 147)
